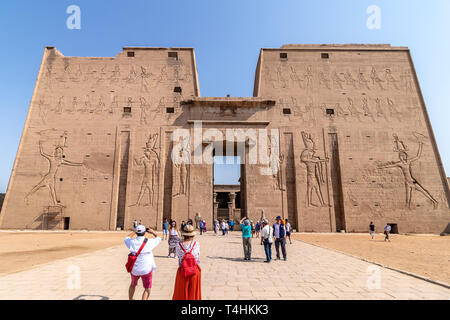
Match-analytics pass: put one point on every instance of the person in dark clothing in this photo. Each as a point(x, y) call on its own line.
point(372, 229)
point(279, 233)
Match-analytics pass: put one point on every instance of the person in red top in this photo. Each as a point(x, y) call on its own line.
point(188, 288)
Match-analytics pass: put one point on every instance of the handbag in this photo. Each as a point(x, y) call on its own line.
point(133, 257)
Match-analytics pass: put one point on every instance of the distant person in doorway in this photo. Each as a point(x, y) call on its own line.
point(174, 238)
point(257, 228)
point(372, 230)
point(279, 233)
point(165, 228)
point(267, 239)
point(288, 230)
point(145, 262)
point(200, 226)
point(387, 231)
point(216, 227)
point(135, 224)
point(246, 237)
point(189, 274)
point(204, 226)
point(224, 226)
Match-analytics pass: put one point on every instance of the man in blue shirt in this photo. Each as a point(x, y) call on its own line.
point(246, 237)
point(231, 225)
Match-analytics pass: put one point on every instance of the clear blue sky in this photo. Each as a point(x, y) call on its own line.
point(229, 31)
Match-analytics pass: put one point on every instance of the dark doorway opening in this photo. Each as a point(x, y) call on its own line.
point(66, 223)
point(394, 228)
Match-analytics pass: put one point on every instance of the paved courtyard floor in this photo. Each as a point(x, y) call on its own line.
point(309, 273)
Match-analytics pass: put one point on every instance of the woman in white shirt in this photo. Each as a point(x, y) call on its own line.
point(145, 263)
point(174, 238)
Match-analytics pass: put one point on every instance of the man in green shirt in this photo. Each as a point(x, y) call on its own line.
point(246, 237)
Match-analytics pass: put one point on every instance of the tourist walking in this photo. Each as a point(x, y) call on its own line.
point(204, 226)
point(174, 238)
point(267, 239)
point(288, 230)
point(253, 228)
point(372, 230)
point(257, 228)
point(231, 225)
point(201, 227)
point(224, 226)
point(246, 237)
point(183, 224)
point(135, 224)
point(165, 229)
point(189, 274)
point(279, 233)
point(387, 230)
point(216, 227)
point(144, 264)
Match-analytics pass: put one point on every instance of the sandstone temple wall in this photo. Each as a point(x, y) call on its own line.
point(355, 142)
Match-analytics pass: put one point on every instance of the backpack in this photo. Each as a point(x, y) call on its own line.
point(282, 231)
point(189, 263)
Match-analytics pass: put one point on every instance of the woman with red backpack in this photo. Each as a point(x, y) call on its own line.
point(189, 274)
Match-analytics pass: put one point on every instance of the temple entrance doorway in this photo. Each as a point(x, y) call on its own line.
point(227, 188)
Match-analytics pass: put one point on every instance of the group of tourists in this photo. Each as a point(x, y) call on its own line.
point(277, 234)
point(182, 246)
point(387, 231)
point(141, 263)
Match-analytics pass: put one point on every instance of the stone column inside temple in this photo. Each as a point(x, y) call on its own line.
point(215, 206)
point(232, 196)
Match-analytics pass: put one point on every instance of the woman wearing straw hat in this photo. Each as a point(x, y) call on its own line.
point(189, 274)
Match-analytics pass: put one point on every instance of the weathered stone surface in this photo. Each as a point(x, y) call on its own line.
point(355, 142)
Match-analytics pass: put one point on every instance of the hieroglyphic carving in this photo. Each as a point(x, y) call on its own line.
point(366, 109)
point(349, 80)
point(276, 160)
point(132, 75)
point(55, 161)
point(43, 111)
point(144, 109)
point(150, 162)
point(281, 78)
point(115, 74)
point(144, 76)
point(308, 75)
point(114, 105)
point(353, 110)
point(379, 109)
point(60, 106)
point(407, 80)
point(314, 170)
point(181, 170)
point(390, 80)
point(394, 113)
point(362, 81)
point(324, 81)
point(295, 77)
point(337, 80)
point(404, 164)
point(376, 80)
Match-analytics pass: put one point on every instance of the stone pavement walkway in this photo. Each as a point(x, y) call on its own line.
point(309, 273)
